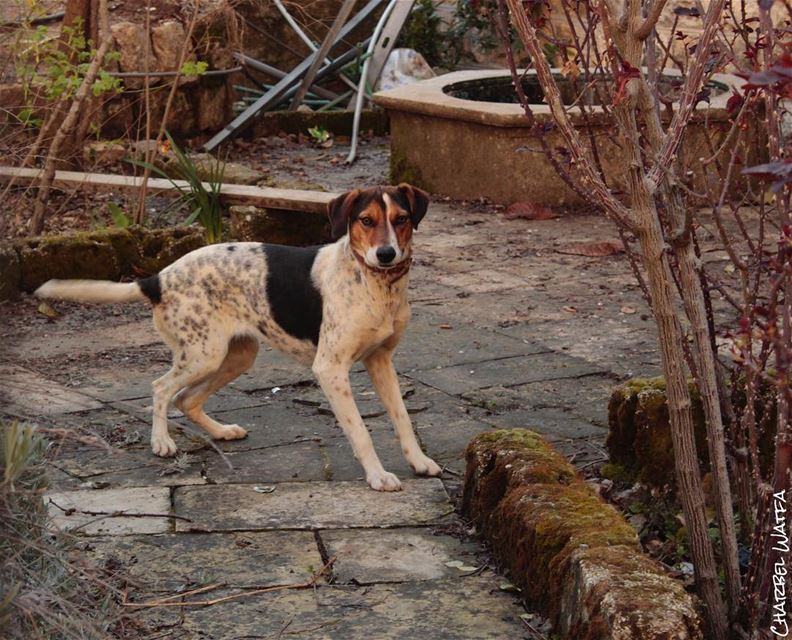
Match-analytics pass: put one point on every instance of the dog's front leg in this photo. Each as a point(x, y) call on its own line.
point(333, 377)
point(383, 375)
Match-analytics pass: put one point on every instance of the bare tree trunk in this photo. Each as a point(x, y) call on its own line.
point(693, 298)
point(626, 26)
point(39, 211)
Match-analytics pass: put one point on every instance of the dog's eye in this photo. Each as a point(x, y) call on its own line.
point(367, 222)
point(401, 220)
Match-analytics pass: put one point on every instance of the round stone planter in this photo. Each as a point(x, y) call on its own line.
point(443, 141)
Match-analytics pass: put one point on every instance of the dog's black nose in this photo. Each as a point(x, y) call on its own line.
point(386, 254)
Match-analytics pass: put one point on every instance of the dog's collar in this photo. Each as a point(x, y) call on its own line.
point(393, 275)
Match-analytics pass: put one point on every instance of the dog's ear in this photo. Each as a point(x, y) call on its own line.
point(339, 210)
point(419, 202)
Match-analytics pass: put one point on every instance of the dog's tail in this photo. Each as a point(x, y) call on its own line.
point(101, 290)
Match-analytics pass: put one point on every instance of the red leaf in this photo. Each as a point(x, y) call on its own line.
point(734, 103)
point(529, 211)
point(591, 249)
point(624, 75)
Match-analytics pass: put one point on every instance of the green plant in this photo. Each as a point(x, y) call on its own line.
point(422, 32)
point(319, 134)
point(447, 45)
point(201, 195)
point(192, 68)
point(55, 67)
point(117, 215)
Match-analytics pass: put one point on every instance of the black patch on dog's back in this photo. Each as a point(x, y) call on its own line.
point(294, 300)
point(151, 288)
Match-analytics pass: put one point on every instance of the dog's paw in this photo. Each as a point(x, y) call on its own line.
point(425, 466)
point(163, 446)
point(231, 432)
point(383, 481)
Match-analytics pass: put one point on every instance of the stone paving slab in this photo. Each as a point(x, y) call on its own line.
point(98, 340)
point(25, 393)
point(116, 383)
point(554, 424)
point(310, 505)
point(272, 369)
point(434, 339)
point(483, 280)
point(289, 463)
point(89, 504)
point(452, 609)
point(276, 424)
point(342, 464)
point(183, 561)
point(227, 399)
point(369, 556)
point(460, 379)
point(585, 397)
point(141, 468)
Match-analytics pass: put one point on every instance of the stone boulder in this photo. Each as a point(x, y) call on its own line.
point(133, 46)
point(167, 41)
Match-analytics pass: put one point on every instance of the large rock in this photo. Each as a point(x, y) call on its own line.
point(167, 41)
point(574, 557)
point(133, 46)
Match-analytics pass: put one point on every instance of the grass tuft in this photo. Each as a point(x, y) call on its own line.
point(48, 589)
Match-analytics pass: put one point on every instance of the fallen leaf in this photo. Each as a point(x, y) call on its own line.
point(263, 489)
point(570, 69)
point(569, 309)
point(591, 249)
point(628, 310)
point(454, 563)
point(46, 310)
point(529, 211)
point(444, 326)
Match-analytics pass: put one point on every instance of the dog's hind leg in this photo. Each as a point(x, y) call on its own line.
point(191, 365)
point(241, 355)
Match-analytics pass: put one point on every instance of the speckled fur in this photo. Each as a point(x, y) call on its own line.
point(214, 310)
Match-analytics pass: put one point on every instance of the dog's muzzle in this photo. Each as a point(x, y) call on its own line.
point(386, 254)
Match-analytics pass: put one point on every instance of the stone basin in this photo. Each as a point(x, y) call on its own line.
point(447, 143)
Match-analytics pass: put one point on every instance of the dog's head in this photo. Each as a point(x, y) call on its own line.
point(379, 221)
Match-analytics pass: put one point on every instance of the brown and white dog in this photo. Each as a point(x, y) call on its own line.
point(327, 306)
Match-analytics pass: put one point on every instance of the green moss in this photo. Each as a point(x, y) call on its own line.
point(639, 438)
point(402, 170)
point(498, 461)
point(106, 254)
point(616, 472)
point(76, 255)
point(538, 527)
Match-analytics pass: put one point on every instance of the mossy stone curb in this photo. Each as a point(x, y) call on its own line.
point(639, 438)
point(108, 254)
point(573, 556)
